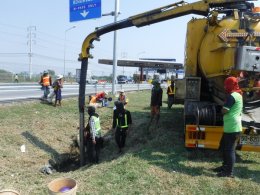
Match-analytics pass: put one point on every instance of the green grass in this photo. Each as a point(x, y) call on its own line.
point(154, 162)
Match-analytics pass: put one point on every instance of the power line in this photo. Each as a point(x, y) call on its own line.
point(53, 58)
point(13, 53)
point(14, 42)
point(12, 26)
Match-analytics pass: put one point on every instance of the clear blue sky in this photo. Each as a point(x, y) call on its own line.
point(51, 19)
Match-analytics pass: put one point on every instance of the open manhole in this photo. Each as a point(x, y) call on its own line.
point(65, 163)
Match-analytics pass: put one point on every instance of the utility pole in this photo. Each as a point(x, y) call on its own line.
point(116, 13)
point(124, 55)
point(31, 39)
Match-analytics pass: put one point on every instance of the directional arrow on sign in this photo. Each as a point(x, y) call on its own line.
point(84, 13)
point(224, 35)
point(84, 9)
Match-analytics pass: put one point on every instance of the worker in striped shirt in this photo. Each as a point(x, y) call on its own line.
point(94, 138)
point(170, 93)
point(121, 123)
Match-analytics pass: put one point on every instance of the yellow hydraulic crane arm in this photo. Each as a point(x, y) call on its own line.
point(157, 15)
point(171, 11)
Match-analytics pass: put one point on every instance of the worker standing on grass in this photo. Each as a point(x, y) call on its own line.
point(170, 93)
point(156, 101)
point(232, 111)
point(94, 139)
point(121, 123)
point(57, 85)
point(122, 97)
point(45, 82)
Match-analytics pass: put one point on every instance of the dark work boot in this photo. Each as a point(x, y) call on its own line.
point(218, 169)
point(222, 168)
point(225, 174)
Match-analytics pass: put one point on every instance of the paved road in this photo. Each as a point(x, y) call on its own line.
point(15, 92)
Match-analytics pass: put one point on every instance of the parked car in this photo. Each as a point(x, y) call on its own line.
point(130, 80)
point(121, 79)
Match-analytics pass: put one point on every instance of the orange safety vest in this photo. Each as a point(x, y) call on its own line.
point(46, 81)
point(172, 91)
point(93, 100)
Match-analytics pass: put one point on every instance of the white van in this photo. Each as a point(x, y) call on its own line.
point(89, 78)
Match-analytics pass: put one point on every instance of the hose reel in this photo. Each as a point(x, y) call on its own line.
point(206, 115)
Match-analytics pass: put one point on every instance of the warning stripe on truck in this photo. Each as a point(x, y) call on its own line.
point(210, 137)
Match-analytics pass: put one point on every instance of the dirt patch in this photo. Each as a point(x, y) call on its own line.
point(66, 163)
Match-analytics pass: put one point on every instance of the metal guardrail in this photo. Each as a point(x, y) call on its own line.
point(24, 91)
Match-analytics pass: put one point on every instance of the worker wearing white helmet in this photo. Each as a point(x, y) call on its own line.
point(122, 97)
point(57, 85)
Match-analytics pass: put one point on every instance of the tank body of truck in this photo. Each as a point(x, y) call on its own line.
point(215, 49)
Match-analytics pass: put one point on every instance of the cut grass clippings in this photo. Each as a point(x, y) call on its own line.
point(153, 162)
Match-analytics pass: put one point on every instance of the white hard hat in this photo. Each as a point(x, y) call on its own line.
point(122, 91)
point(60, 76)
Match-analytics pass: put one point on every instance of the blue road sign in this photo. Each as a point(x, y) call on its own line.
point(84, 9)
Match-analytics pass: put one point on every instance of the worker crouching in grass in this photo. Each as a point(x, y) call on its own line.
point(93, 136)
point(121, 123)
point(99, 100)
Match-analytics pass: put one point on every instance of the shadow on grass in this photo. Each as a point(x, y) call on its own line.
point(40, 144)
point(164, 147)
point(60, 162)
point(245, 173)
point(45, 102)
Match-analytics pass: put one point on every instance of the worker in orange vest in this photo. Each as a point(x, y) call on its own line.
point(170, 93)
point(45, 83)
point(95, 100)
point(122, 97)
